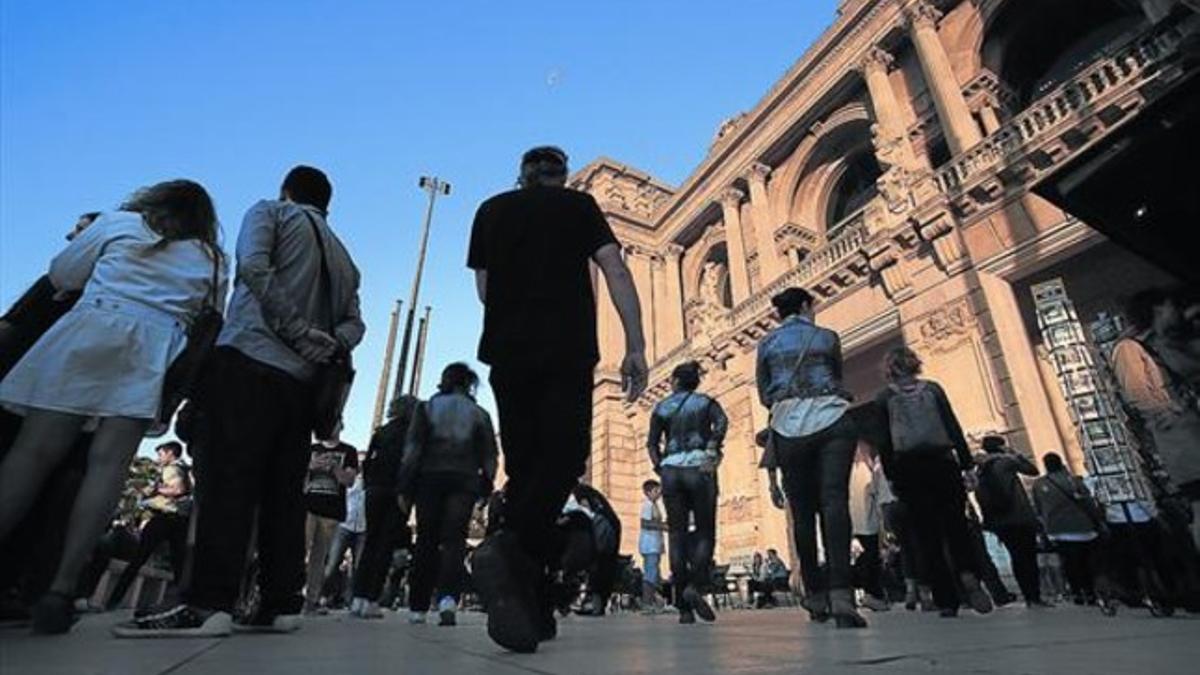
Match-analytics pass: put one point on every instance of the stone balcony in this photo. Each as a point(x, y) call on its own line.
point(1066, 121)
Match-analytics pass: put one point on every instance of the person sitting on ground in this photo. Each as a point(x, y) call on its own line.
point(170, 504)
point(603, 570)
point(768, 575)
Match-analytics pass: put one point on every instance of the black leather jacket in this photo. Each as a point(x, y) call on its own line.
point(821, 373)
point(449, 433)
point(690, 421)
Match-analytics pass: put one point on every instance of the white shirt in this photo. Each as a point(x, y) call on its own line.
point(356, 512)
point(650, 541)
point(799, 417)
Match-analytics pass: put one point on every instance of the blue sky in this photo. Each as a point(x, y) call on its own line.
point(98, 98)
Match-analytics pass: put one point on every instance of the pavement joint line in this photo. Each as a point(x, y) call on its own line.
point(192, 657)
point(485, 656)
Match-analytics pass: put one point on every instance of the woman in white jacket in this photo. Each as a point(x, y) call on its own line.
point(146, 270)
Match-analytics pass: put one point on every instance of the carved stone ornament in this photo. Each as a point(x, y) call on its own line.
point(886, 261)
point(758, 172)
point(924, 15)
point(727, 128)
point(893, 187)
point(944, 329)
point(876, 59)
point(627, 193)
point(939, 231)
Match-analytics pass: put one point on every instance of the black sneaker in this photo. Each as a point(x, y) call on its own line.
point(180, 622)
point(548, 626)
point(503, 575)
point(686, 617)
point(698, 604)
point(53, 614)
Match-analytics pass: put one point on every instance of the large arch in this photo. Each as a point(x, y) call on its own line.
point(838, 149)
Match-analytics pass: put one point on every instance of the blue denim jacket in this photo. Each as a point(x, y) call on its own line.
point(819, 375)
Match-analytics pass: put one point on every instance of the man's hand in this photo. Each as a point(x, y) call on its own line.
point(634, 372)
point(317, 346)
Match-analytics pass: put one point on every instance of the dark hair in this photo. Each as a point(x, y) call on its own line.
point(177, 209)
point(792, 301)
point(402, 409)
point(458, 377)
point(544, 161)
point(771, 550)
point(1139, 309)
point(308, 185)
point(650, 485)
point(1053, 462)
point(993, 443)
point(174, 447)
point(687, 374)
point(901, 362)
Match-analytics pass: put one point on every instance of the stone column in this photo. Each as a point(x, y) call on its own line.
point(770, 266)
point(957, 124)
point(739, 278)
point(639, 265)
point(991, 121)
point(672, 321)
point(1037, 413)
point(658, 272)
point(883, 98)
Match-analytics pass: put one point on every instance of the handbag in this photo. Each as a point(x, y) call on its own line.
point(332, 382)
point(182, 380)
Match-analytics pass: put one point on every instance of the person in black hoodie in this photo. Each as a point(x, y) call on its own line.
point(450, 462)
point(925, 456)
point(384, 456)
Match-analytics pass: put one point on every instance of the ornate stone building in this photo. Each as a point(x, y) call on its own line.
point(889, 172)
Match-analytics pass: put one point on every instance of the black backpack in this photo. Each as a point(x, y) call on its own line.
point(994, 491)
point(915, 421)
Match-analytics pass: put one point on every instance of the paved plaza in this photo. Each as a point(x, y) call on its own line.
point(1013, 640)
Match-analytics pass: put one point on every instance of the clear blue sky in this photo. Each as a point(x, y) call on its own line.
point(98, 98)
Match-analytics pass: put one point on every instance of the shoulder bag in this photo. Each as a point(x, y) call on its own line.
point(332, 382)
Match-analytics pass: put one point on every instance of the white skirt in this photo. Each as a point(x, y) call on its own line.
point(107, 357)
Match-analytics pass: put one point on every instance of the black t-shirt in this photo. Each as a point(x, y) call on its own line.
point(535, 244)
point(323, 494)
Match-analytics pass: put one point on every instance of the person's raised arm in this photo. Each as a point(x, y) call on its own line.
point(71, 268)
point(624, 296)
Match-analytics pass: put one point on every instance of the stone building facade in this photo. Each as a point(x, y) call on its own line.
point(889, 172)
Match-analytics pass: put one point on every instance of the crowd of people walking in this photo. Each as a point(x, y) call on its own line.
point(132, 319)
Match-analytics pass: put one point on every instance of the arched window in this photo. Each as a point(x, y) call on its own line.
point(851, 192)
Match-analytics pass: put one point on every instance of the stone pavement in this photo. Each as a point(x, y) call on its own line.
point(1013, 640)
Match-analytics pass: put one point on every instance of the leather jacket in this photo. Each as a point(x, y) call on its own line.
point(821, 373)
point(689, 421)
point(449, 433)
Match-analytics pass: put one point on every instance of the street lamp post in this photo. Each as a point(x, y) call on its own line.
point(434, 186)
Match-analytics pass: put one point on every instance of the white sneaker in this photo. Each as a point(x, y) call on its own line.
point(370, 610)
point(416, 618)
point(448, 611)
point(264, 622)
point(356, 606)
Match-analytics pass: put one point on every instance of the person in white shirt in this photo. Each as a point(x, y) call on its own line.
point(351, 533)
point(146, 271)
point(651, 545)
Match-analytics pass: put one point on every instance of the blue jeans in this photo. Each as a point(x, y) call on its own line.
point(651, 571)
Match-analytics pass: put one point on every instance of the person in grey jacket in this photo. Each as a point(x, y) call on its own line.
point(1072, 520)
point(694, 427)
point(449, 465)
point(812, 441)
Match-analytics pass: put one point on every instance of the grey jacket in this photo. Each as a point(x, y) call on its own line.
point(689, 421)
point(449, 434)
point(1059, 499)
point(279, 294)
point(777, 373)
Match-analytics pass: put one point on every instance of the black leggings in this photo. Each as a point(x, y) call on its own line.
point(168, 528)
point(816, 478)
point(1079, 565)
point(383, 521)
point(687, 494)
point(444, 504)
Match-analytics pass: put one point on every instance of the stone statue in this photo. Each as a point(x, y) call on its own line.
point(712, 283)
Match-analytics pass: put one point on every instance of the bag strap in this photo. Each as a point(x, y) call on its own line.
point(800, 361)
point(325, 276)
point(674, 415)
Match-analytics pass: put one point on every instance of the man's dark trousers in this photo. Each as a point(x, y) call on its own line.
point(260, 428)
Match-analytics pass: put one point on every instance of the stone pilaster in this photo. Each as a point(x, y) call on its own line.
point(887, 260)
point(957, 124)
point(739, 278)
point(770, 264)
point(672, 321)
point(946, 240)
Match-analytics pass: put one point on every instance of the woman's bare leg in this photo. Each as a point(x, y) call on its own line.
point(42, 443)
point(113, 447)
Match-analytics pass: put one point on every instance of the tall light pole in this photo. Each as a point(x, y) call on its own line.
point(419, 355)
point(386, 375)
point(434, 186)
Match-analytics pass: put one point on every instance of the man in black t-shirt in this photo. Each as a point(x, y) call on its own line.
point(333, 467)
point(532, 250)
